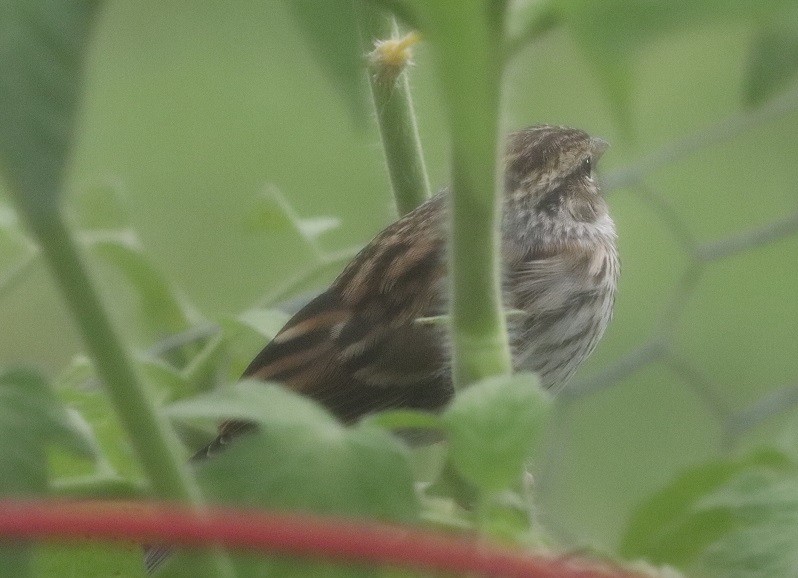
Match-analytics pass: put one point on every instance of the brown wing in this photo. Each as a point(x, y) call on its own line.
point(357, 347)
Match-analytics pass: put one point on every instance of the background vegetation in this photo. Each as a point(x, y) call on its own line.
point(192, 112)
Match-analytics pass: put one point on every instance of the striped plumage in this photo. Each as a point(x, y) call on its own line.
point(560, 260)
point(358, 347)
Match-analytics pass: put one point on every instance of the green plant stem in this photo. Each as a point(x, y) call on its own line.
point(472, 57)
point(108, 487)
point(152, 438)
point(396, 117)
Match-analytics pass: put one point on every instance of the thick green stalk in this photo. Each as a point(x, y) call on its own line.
point(393, 103)
point(152, 438)
point(471, 62)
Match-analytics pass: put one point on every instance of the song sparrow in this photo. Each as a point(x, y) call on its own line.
point(359, 347)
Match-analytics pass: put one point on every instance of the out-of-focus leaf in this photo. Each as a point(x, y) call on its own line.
point(82, 429)
point(301, 459)
point(209, 367)
point(42, 49)
point(315, 227)
point(671, 528)
point(763, 509)
point(14, 274)
point(164, 311)
point(612, 32)
point(273, 213)
point(168, 381)
point(251, 565)
point(493, 428)
point(265, 322)
point(89, 560)
point(270, 214)
point(15, 559)
point(330, 30)
point(253, 401)
point(247, 333)
point(402, 419)
point(11, 230)
point(18, 254)
point(77, 387)
point(32, 418)
point(100, 486)
point(773, 60)
point(75, 375)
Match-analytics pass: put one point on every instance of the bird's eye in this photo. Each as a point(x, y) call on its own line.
point(587, 166)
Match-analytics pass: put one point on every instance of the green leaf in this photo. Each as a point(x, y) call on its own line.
point(773, 60)
point(18, 254)
point(92, 560)
point(77, 374)
point(763, 507)
point(613, 32)
point(247, 333)
point(249, 565)
point(15, 559)
point(100, 486)
point(79, 389)
point(300, 459)
point(87, 445)
point(165, 311)
point(254, 401)
point(32, 418)
point(670, 527)
point(406, 419)
point(11, 229)
point(43, 44)
point(208, 368)
point(327, 469)
point(311, 460)
point(265, 322)
point(168, 381)
point(273, 213)
point(493, 428)
point(12, 276)
point(330, 29)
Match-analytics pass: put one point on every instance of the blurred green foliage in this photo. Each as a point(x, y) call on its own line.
point(192, 111)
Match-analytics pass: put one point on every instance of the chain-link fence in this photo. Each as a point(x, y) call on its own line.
point(658, 347)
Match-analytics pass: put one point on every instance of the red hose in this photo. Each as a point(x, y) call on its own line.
point(286, 533)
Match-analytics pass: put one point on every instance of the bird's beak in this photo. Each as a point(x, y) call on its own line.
point(598, 146)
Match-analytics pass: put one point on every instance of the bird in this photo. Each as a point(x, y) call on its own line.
point(362, 345)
